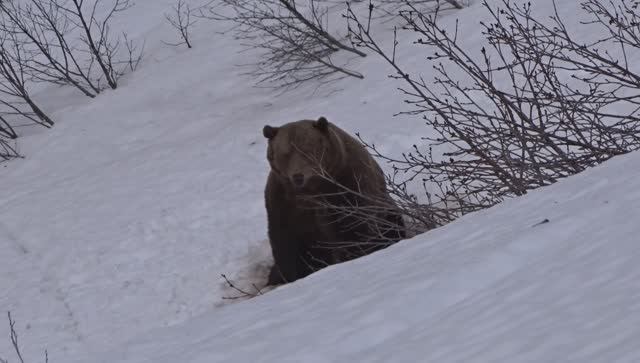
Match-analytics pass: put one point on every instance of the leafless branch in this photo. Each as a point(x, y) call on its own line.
point(181, 21)
point(7, 151)
point(96, 34)
point(243, 293)
point(495, 140)
point(14, 338)
point(296, 44)
point(14, 94)
point(13, 335)
point(361, 218)
point(65, 42)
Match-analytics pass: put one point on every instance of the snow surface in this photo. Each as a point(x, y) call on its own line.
point(116, 227)
point(495, 286)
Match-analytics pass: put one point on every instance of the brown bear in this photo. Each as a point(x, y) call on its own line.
point(326, 199)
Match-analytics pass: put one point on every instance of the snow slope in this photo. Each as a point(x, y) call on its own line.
point(116, 227)
point(494, 286)
point(126, 212)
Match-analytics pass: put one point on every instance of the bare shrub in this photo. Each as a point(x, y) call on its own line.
point(16, 104)
point(97, 37)
point(14, 94)
point(181, 20)
point(65, 42)
point(296, 43)
point(7, 150)
point(505, 121)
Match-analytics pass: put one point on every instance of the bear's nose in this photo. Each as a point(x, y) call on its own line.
point(297, 179)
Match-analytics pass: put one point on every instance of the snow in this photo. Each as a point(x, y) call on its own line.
point(492, 286)
point(116, 227)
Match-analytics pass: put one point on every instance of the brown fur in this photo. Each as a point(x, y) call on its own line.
point(311, 161)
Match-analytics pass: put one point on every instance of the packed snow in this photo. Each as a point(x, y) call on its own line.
point(116, 227)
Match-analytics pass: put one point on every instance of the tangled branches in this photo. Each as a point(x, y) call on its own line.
point(535, 106)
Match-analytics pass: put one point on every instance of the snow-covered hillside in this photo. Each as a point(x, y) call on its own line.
point(116, 227)
point(495, 286)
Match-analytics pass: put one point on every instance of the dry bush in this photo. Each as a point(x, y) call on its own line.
point(180, 19)
point(294, 39)
point(62, 42)
point(65, 42)
point(536, 105)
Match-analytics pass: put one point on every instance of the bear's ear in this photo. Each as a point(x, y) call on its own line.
point(269, 131)
point(321, 124)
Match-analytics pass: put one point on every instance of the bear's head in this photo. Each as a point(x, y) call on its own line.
point(304, 153)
